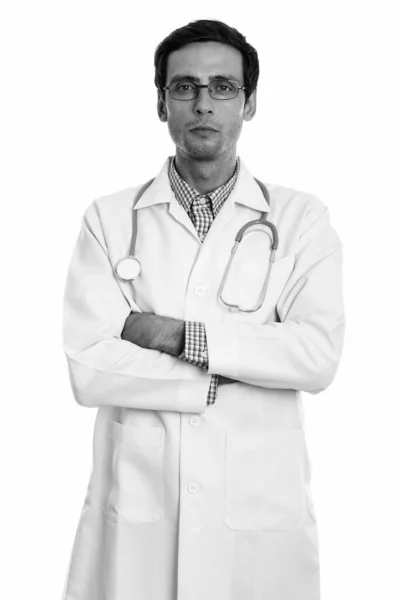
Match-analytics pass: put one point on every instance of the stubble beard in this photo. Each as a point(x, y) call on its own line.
point(211, 151)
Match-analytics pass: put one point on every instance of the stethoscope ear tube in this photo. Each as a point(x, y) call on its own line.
point(262, 221)
point(275, 236)
point(225, 275)
point(239, 236)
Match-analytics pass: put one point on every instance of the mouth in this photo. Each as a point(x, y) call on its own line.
point(203, 128)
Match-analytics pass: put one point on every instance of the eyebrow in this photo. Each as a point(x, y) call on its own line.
point(197, 79)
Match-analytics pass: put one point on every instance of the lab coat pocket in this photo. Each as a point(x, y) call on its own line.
point(135, 484)
point(265, 480)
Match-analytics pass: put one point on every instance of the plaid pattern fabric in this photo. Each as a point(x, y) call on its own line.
point(196, 344)
point(196, 353)
point(202, 209)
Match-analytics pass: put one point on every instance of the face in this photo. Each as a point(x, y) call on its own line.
point(205, 61)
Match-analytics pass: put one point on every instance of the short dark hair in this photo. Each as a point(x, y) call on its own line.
point(207, 30)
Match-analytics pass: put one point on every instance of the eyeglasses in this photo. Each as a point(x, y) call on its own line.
point(219, 89)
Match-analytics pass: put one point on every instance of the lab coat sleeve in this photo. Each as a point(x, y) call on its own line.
point(303, 350)
point(104, 369)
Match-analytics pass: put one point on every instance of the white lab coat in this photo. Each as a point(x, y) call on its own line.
point(188, 501)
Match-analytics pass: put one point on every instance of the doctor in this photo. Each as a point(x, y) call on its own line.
point(200, 487)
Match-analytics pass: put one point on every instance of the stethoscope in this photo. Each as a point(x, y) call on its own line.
point(129, 268)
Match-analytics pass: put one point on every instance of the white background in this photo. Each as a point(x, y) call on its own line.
point(78, 120)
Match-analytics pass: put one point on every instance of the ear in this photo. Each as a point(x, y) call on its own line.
point(162, 109)
point(250, 107)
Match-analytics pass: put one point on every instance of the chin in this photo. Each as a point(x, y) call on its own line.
point(203, 151)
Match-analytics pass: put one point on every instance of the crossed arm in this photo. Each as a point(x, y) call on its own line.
point(299, 352)
point(154, 332)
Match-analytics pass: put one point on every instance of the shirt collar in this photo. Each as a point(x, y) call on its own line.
point(185, 194)
point(245, 192)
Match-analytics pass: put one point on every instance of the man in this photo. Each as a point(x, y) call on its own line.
point(200, 488)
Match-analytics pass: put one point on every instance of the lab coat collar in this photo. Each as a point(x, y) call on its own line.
point(246, 190)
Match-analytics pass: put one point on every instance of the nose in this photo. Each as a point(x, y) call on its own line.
point(203, 103)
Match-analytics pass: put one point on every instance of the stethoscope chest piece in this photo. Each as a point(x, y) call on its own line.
point(128, 269)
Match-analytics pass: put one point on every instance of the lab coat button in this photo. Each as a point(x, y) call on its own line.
point(194, 421)
point(199, 290)
point(193, 487)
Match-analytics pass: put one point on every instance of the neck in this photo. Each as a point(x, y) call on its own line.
point(205, 176)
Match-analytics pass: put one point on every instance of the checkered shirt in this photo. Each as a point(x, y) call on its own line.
point(202, 209)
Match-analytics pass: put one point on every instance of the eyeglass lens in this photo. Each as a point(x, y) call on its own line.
point(220, 89)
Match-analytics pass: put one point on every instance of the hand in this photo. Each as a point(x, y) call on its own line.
point(153, 332)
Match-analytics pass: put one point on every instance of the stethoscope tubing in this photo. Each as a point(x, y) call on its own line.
point(238, 239)
point(132, 264)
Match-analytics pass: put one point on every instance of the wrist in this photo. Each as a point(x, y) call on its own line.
point(172, 338)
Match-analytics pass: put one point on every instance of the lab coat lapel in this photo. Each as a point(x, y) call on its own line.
point(160, 191)
point(177, 211)
point(246, 192)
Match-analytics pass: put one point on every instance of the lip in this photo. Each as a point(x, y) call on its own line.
point(203, 128)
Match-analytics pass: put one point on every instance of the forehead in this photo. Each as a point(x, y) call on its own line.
point(205, 60)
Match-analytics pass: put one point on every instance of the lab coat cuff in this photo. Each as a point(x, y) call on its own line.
point(223, 348)
point(192, 395)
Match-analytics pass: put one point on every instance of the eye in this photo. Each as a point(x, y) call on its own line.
point(223, 87)
point(184, 86)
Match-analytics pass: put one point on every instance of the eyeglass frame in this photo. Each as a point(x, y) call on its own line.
point(240, 87)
